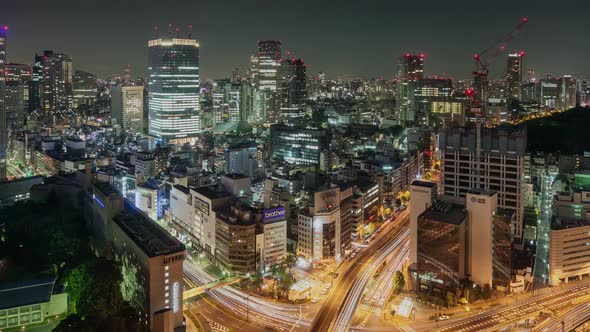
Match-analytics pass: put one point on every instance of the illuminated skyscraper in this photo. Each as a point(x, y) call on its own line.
point(17, 76)
point(173, 66)
point(265, 64)
point(127, 107)
point(85, 89)
point(35, 85)
point(58, 76)
point(293, 83)
point(3, 127)
point(410, 69)
point(514, 75)
point(264, 74)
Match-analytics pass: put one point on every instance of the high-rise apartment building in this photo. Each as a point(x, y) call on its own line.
point(127, 107)
point(293, 84)
point(485, 158)
point(173, 67)
point(58, 76)
point(3, 124)
point(515, 75)
point(410, 69)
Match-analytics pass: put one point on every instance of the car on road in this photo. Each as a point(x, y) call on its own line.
point(315, 300)
point(443, 317)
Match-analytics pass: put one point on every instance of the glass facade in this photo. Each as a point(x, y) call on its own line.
point(300, 146)
point(173, 66)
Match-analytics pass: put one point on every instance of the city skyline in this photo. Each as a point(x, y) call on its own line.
point(323, 35)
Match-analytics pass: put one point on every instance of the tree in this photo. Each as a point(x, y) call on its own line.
point(290, 261)
point(78, 281)
point(398, 280)
point(450, 299)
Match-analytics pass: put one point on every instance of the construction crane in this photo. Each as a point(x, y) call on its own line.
point(480, 74)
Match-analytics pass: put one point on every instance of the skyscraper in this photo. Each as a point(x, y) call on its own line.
point(58, 76)
point(265, 64)
point(173, 67)
point(410, 69)
point(17, 76)
point(264, 75)
point(127, 107)
point(3, 127)
point(514, 75)
point(85, 89)
point(35, 85)
point(293, 83)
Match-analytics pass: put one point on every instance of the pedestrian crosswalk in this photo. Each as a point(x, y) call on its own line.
point(216, 327)
point(370, 308)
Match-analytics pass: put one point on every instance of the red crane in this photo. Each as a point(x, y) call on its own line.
point(480, 75)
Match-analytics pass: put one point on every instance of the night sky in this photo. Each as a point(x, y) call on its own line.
point(343, 38)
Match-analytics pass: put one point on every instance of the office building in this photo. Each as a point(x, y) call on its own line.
point(293, 89)
point(235, 239)
point(193, 214)
point(295, 145)
point(35, 85)
point(154, 258)
point(442, 244)
point(174, 86)
point(514, 76)
point(237, 185)
point(271, 239)
point(58, 76)
point(127, 107)
point(241, 160)
point(569, 252)
point(481, 206)
point(324, 228)
point(549, 92)
point(17, 93)
point(3, 117)
point(85, 87)
point(264, 65)
point(410, 69)
point(485, 158)
point(427, 92)
point(567, 93)
point(238, 98)
point(423, 195)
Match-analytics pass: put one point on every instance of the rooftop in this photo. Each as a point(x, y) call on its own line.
point(481, 192)
point(560, 223)
point(445, 213)
point(182, 188)
point(235, 176)
point(426, 184)
point(149, 236)
point(211, 192)
point(21, 293)
point(105, 188)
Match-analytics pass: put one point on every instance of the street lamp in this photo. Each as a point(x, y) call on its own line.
point(247, 308)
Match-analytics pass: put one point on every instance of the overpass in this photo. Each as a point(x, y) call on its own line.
point(192, 293)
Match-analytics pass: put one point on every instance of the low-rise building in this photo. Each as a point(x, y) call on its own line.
point(569, 252)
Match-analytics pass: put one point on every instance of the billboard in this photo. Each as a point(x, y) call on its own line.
point(274, 214)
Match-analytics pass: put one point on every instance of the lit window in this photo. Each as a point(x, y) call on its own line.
point(166, 281)
point(166, 274)
point(166, 301)
point(166, 268)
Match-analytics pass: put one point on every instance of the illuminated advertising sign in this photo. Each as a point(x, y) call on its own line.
point(276, 213)
point(175, 297)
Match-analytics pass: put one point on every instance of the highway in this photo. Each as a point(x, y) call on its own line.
point(363, 267)
point(505, 315)
point(239, 306)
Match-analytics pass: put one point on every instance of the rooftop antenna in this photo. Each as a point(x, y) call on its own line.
point(170, 30)
point(155, 32)
point(178, 31)
point(190, 31)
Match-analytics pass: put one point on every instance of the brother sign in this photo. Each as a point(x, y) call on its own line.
point(273, 213)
